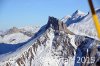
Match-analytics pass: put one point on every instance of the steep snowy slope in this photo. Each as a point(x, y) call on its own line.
point(84, 25)
point(52, 45)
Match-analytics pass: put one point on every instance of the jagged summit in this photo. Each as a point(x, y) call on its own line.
point(57, 25)
point(79, 25)
point(78, 12)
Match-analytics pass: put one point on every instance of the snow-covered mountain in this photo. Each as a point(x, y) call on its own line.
point(1, 32)
point(82, 24)
point(32, 29)
point(78, 14)
point(18, 35)
point(74, 18)
point(15, 38)
point(27, 30)
point(66, 18)
point(52, 45)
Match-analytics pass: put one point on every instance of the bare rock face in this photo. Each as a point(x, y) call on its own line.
point(58, 25)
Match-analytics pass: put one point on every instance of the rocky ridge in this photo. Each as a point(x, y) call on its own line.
point(53, 45)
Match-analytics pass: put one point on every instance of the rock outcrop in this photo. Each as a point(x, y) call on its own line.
point(58, 25)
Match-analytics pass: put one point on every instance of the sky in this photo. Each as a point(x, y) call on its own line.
point(20, 13)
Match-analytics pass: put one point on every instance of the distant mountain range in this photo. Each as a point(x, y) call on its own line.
point(17, 35)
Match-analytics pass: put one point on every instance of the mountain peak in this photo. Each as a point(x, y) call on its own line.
point(78, 13)
point(57, 25)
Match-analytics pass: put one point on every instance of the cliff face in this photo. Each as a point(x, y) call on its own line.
point(58, 25)
point(56, 46)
